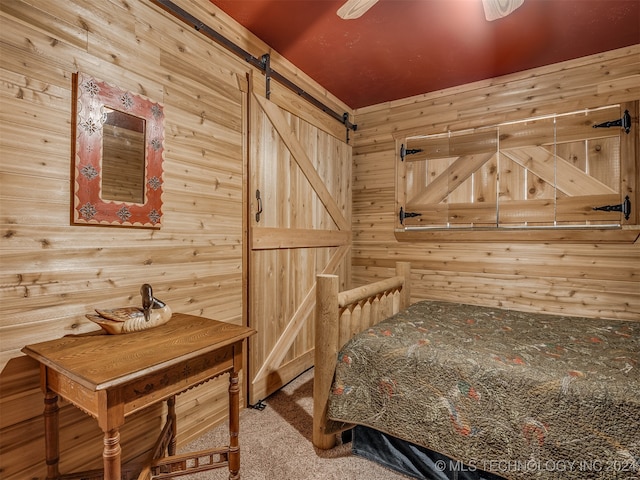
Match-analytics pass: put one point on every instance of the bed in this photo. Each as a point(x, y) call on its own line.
point(517, 395)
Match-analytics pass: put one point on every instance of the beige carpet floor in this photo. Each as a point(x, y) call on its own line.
point(275, 443)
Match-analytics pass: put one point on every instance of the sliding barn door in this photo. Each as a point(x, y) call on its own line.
point(300, 225)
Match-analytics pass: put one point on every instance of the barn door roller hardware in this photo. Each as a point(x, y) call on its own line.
point(265, 62)
point(404, 151)
point(624, 122)
point(624, 207)
point(404, 215)
point(260, 63)
point(265, 65)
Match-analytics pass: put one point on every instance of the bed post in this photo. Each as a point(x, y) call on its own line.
point(403, 269)
point(325, 355)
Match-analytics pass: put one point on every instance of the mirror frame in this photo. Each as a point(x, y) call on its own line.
point(91, 98)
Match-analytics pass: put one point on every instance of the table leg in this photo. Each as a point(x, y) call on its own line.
point(171, 414)
point(111, 455)
point(234, 426)
point(51, 434)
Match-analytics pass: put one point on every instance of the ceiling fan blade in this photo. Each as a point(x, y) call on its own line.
point(355, 8)
point(494, 9)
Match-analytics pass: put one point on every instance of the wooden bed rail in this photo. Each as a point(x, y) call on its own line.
point(355, 295)
point(339, 316)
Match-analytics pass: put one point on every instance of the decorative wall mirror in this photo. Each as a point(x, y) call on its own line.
point(118, 152)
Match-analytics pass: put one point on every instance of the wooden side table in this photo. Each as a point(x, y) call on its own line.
point(112, 376)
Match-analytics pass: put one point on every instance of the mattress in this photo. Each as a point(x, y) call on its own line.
point(521, 395)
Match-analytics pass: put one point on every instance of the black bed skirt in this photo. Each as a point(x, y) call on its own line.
point(410, 459)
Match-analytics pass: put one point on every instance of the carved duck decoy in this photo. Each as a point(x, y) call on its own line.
point(153, 313)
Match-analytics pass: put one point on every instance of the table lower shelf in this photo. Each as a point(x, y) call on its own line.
point(161, 466)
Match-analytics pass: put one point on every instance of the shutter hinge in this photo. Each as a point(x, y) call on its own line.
point(624, 122)
point(407, 151)
point(624, 207)
point(404, 215)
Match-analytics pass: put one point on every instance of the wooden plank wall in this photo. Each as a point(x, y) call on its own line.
point(52, 272)
point(599, 280)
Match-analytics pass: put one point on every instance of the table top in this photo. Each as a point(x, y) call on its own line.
point(102, 361)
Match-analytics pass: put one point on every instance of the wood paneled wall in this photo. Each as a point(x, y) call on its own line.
point(53, 273)
point(599, 280)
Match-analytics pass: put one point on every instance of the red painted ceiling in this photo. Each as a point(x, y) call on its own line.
point(401, 48)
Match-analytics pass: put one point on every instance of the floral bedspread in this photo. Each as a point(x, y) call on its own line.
point(522, 395)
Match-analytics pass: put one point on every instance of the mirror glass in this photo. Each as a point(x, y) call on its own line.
point(123, 157)
point(117, 154)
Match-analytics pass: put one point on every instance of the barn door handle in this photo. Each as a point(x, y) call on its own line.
point(259, 206)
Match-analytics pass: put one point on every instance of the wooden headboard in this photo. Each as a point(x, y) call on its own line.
point(339, 316)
